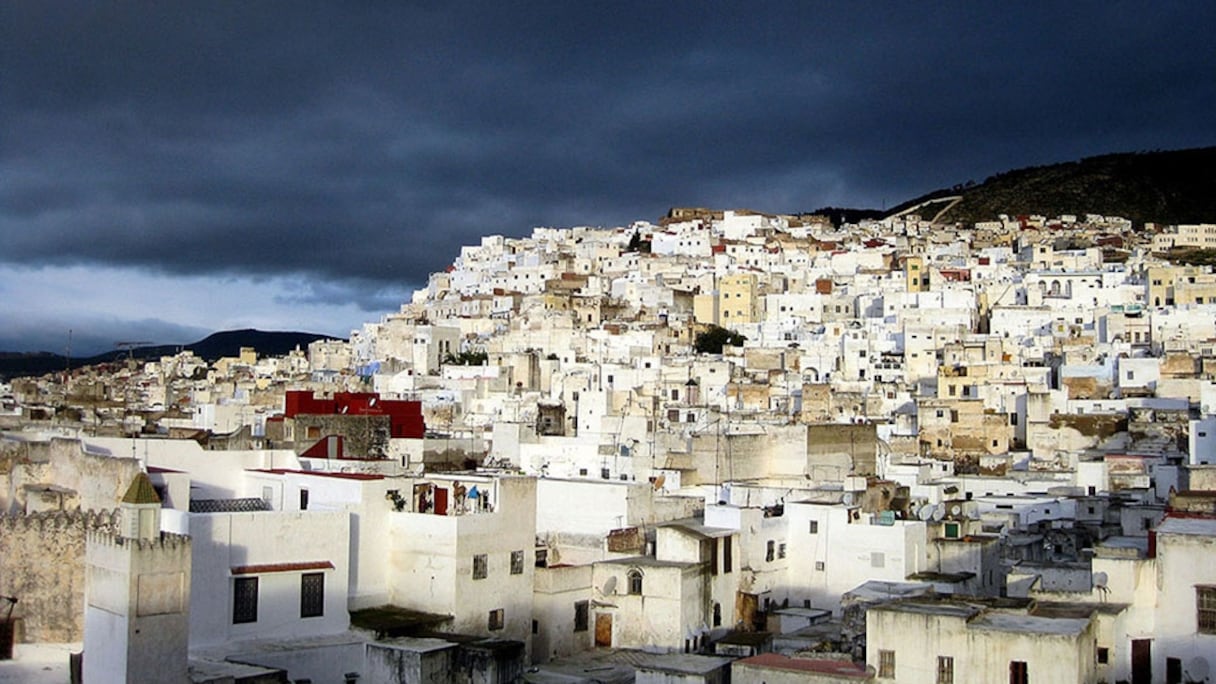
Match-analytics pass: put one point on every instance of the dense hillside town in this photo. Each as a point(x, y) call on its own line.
point(726, 446)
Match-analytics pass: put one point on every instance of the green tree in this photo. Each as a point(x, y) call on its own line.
point(466, 358)
point(712, 341)
point(635, 242)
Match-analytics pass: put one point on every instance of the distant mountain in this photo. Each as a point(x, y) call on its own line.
point(212, 347)
point(1164, 187)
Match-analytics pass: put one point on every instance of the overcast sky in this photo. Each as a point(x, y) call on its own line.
point(172, 169)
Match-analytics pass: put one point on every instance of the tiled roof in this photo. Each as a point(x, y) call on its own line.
point(141, 491)
point(280, 567)
point(228, 505)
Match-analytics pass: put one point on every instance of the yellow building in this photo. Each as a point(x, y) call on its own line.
point(738, 302)
point(916, 276)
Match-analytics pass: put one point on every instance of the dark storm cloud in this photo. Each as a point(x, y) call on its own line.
point(362, 145)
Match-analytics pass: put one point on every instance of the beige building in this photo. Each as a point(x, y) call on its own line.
point(945, 641)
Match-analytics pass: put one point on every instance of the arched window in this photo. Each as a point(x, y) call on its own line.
point(635, 581)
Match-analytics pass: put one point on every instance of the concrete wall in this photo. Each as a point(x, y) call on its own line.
point(223, 541)
point(136, 609)
point(405, 661)
point(557, 590)
point(980, 654)
point(431, 559)
point(843, 554)
point(1185, 561)
point(669, 607)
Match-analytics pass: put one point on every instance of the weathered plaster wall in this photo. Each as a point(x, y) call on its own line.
point(42, 565)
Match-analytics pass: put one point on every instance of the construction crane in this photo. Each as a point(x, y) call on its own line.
point(130, 346)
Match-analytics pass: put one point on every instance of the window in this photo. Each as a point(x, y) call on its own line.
point(244, 600)
point(886, 664)
point(496, 619)
point(1205, 608)
point(1103, 655)
point(814, 527)
point(582, 614)
point(303, 499)
point(517, 562)
point(819, 566)
point(480, 566)
point(635, 582)
point(312, 594)
point(781, 550)
point(945, 670)
point(770, 551)
point(717, 614)
point(1013, 419)
point(727, 555)
point(1018, 673)
point(542, 558)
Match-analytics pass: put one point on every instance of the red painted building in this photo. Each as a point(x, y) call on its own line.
point(405, 416)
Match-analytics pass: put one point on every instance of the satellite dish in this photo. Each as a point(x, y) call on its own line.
point(609, 586)
point(956, 509)
point(847, 499)
point(925, 512)
point(1198, 667)
point(939, 512)
point(974, 514)
point(1100, 580)
point(659, 481)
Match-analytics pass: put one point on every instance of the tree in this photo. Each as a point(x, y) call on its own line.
point(635, 242)
point(466, 358)
point(712, 341)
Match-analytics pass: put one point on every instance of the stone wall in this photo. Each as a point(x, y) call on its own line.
point(98, 481)
point(42, 565)
point(363, 436)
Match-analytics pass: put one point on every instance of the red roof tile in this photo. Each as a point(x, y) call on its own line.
point(281, 567)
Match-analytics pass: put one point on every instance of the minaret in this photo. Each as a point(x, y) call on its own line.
point(137, 596)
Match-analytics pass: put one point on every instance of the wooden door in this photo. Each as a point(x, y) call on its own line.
point(747, 610)
point(603, 629)
point(1142, 661)
point(441, 501)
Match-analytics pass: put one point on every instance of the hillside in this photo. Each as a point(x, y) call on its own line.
point(212, 347)
point(1164, 187)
